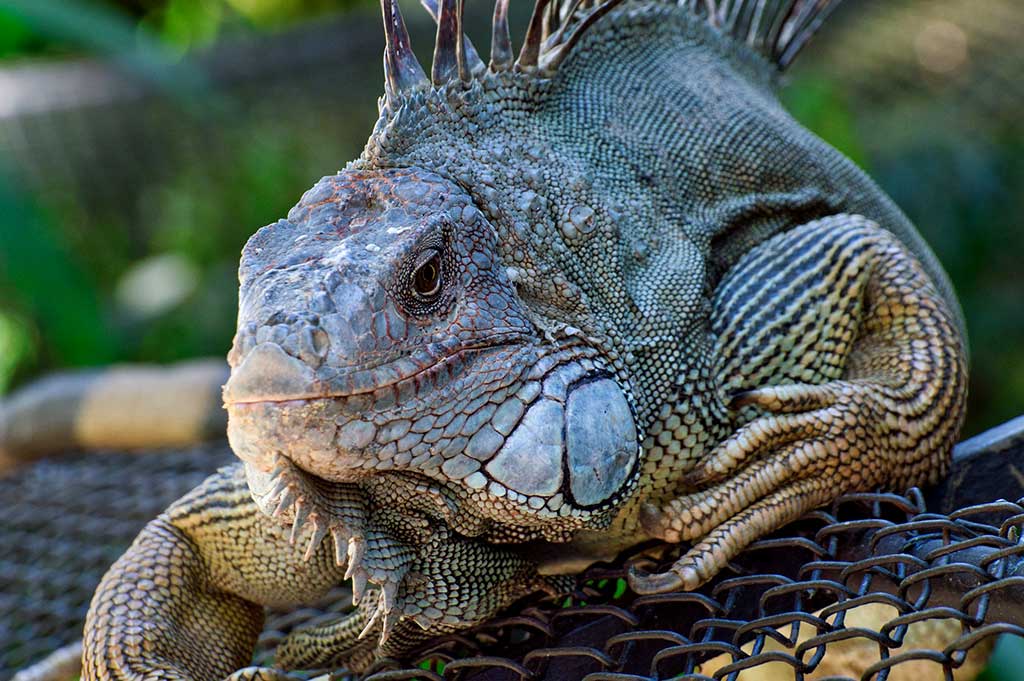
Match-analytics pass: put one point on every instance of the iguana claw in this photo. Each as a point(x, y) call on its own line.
point(383, 562)
point(385, 613)
point(656, 583)
point(292, 492)
point(356, 553)
point(261, 674)
point(372, 622)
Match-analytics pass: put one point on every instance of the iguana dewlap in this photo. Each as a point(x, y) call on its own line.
point(610, 291)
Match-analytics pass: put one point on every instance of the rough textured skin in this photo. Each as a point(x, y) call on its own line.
point(612, 293)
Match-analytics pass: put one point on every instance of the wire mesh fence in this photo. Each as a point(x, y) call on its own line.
point(857, 578)
point(874, 587)
point(63, 524)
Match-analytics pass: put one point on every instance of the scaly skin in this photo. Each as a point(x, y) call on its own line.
point(610, 294)
point(185, 601)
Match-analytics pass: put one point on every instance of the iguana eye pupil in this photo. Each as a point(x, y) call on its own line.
point(427, 278)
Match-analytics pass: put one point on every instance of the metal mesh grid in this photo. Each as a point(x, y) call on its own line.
point(63, 524)
point(959, 578)
point(961, 574)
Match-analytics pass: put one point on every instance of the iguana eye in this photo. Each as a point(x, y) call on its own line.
point(426, 278)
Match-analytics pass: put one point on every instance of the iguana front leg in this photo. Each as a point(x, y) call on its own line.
point(846, 372)
point(186, 600)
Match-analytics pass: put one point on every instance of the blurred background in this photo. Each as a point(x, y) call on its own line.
point(143, 141)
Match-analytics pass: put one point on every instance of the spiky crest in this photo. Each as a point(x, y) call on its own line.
point(454, 41)
point(501, 41)
point(402, 71)
point(775, 29)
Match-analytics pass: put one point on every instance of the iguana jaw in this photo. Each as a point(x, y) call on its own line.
point(524, 441)
point(343, 437)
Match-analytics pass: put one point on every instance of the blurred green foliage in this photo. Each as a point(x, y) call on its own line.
point(819, 105)
point(1006, 662)
point(32, 27)
point(58, 295)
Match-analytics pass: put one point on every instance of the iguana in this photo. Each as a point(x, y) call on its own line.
point(606, 291)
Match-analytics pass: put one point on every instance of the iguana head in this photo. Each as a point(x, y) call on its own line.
point(380, 335)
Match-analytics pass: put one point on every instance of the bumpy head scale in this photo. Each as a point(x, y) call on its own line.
point(775, 29)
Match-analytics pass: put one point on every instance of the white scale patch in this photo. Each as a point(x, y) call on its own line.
point(530, 462)
point(594, 433)
point(601, 439)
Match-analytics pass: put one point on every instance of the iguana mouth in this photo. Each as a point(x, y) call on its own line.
point(269, 375)
point(277, 405)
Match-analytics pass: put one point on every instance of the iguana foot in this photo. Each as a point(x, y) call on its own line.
point(185, 602)
point(830, 441)
point(330, 644)
point(705, 559)
point(384, 565)
point(780, 466)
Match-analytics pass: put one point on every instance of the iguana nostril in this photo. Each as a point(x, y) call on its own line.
point(268, 373)
point(244, 341)
point(280, 317)
point(308, 343)
point(321, 342)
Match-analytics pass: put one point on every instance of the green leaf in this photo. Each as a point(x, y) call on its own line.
point(1007, 660)
point(103, 30)
point(15, 34)
point(41, 281)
